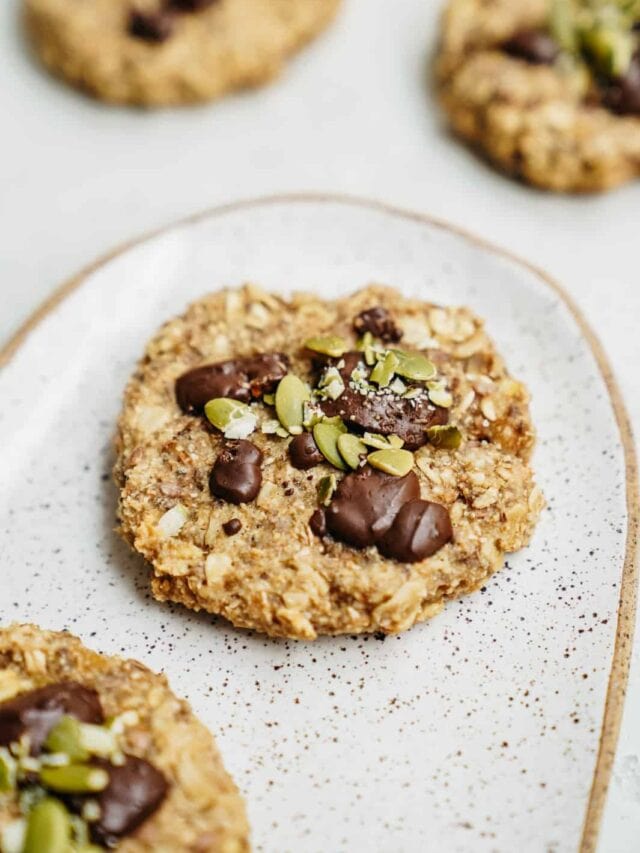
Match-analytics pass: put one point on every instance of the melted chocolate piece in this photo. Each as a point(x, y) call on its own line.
point(622, 95)
point(366, 503)
point(243, 379)
point(318, 523)
point(135, 790)
point(233, 526)
point(534, 46)
point(385, 413)
point(190, 5)
point(37, 712)
point(419, 530)
point(237, 476)
point(379, 322)
point(304, 453)
point(151, 26)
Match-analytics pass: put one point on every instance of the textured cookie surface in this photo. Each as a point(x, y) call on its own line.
point(531, 120)
point(228, 45)
point(203, 811)
point(275, 575)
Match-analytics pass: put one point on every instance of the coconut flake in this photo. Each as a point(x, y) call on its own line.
point(172, 522)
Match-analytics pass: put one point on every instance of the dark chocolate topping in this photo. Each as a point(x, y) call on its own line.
point(383, 412)
point(135, 790)
point(365, 504)
point(622, 95)
point(151, 26)
point(303, 452)
point(190, 5)
point(233, 526)
point(37, 712)
point(535, 46)
point(419, 530)
point(237, 476)
point(318, 523)
point(243, 379)
point(379, 322)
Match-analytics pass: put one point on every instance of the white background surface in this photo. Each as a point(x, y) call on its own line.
point(352, 114)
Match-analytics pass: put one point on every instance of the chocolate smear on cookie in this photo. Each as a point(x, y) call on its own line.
point(534, 46)
point(35, 713)
point(244, 379)
point(190, 5)
point(151, 26)
point(419, 530)
point(237, 474)
point(379, 322)
point(381, 410)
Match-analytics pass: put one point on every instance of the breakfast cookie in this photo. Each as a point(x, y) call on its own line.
point(308, 467)
point(97, 753)
point(549, 90)
point(162, 52)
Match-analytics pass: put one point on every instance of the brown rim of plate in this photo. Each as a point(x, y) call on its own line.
point(623, 647)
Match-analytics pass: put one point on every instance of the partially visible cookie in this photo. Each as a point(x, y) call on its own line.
point(97, 749)
point(549, 91)
point(163, 52)
point(304, 466)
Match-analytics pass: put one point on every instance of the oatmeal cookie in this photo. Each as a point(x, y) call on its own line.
point(308, 467)
point(548, 90)
point(97, 752)
point(164, 52)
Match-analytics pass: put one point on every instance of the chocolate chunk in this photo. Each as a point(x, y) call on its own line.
point(303, 452)
point(379, 322)
point(37, 712)
point(366, 503)
point(318, 523)
point(419, 530)
point(622, 95)
point(383, 411)
point(237, 476)
point(151, 26)
point(190, 5)
point(135, 790)
point(534, 46)
point(233, 526)
point(243, 379)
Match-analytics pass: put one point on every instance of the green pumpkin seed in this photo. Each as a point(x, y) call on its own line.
point(447, 437)
point(396, 441)
point(326, 487)
point(48, 828)
point(382, 373)
point(269, 399)
point(7, 770)
point(609, 49)
point(373, 439)
point(326, 436)
point(439, 395)
point(394, 461)
point(414, 365)
point(351, 449)
point(65, 737)
point(331, 345)
point(291, 395)
point(74, 778)
point(222, 411)
point(331, 386)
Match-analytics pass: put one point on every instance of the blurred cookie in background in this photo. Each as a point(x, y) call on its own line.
point(548, 91)
point(171, 52)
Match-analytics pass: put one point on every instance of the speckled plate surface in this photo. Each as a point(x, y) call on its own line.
point(478, 731)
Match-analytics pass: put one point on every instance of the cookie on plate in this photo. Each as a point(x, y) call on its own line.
point(162, 52)
point(308, 467)
point(549, 90)
point(97, 753)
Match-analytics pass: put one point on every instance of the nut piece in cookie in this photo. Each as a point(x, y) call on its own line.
point(381, 471)
point(96, 754)
point(549, 91)
point(171, 52)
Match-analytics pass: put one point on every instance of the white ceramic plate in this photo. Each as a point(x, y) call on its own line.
point(478, 731)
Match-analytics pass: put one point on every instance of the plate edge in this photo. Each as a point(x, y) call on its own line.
point(623, 645)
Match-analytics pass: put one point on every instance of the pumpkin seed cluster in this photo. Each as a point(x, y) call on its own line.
point(599, 36)
point(62, 769)
point(382, 371)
